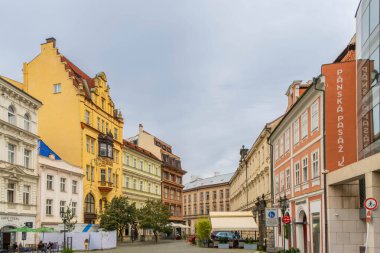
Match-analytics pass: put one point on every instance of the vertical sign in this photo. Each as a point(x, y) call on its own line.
point(340, 97)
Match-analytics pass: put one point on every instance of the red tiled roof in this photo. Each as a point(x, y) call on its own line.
point(140, 149)
point(78, 74)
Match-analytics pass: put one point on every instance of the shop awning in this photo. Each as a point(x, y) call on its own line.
point(178, 225)
point(233, 221)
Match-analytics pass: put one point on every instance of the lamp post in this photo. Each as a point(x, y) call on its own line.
point(284, 204)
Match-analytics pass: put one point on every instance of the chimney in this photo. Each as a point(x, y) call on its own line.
point(141, 128)
point(51, 40)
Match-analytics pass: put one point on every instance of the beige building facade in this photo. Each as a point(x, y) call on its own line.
point(252, 178)
point(251, 183)
point(202, 196)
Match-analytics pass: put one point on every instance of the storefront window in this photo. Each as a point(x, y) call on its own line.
point(316, 232)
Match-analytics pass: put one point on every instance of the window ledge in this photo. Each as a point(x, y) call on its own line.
point(316, 181)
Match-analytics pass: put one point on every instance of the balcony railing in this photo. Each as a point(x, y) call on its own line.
point(105, 186)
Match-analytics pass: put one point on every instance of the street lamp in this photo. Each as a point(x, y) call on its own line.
point(284, 204)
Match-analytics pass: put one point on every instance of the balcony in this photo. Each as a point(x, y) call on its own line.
point(105, 186)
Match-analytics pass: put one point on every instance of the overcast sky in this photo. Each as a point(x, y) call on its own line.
point(202, 75)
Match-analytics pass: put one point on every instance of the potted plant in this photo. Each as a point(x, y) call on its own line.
point(223, 243)
point(250, 244)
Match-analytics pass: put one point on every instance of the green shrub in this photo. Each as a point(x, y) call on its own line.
point(250, 240)
point(203, 228)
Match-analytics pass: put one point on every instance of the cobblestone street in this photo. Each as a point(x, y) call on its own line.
point(167, 247)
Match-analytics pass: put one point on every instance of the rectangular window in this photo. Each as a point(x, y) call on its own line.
point(287, 142)
point(103, 149)
point(178, 195)
point(157, 189)
point(88, 172)
point(57, 88)
point(314, 116)
point(26, 195)
point(74, 208)
point(304, 169)
point(227, 194)
point(149, 168)
point(304, 125)
point(201, 196)
point(49, 182)
point(134, 184)
point(276, 150)
point(156, 171)
point(171, 177)
point(149, 188)
point(103, 175)
point(296, 134)
point(214, 195)
point(49, 206)
point(221, 207)
point(11, 153)
point(221, 194)
point(141, 165)
point(281, 146)
point(315, 164)
point(98, 123)
point(11, 192)
point(166, 192)
point(282, 182)
point(134, 163)
point(27, 158)
point(127, 160)
point(172, 194)
point(109, 174)
point(115, 133)
point(317, 229)
point(63, 184)
point(87, 117)
point(116, 156)
point(62, 205)
point(141, 185)
point(288, 179)
point(127, 182)
point(195, 198)
point(74, 186)
point(297, 173)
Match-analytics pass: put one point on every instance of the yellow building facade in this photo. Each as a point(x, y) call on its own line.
point(79, 121)
point(141, 175)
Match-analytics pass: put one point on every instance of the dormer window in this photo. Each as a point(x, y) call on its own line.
point(106, 145)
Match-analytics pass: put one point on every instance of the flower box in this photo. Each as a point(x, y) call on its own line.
point(250, 246)
point(223, 246)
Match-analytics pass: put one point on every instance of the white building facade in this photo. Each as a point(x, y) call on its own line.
point(18, 162)
point(60, 186)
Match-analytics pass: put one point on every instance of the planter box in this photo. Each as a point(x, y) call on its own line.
point(250, 246)
point(223, 246)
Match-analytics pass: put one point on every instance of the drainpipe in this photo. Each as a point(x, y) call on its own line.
point(321, 80)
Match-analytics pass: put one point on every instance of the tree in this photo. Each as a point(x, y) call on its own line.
point(118, 215)
point(203, 227)
point(69, 220)
point(154, 215)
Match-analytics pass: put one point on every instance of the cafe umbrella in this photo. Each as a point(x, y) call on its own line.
point(24, 229)
point(44, 230)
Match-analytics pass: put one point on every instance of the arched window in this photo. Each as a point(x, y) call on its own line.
point(11, 115)
point(89, 204)
point(26, 121)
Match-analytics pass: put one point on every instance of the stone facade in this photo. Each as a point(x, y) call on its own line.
point(202, 196)
point(18, 162)
point(60, 185)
